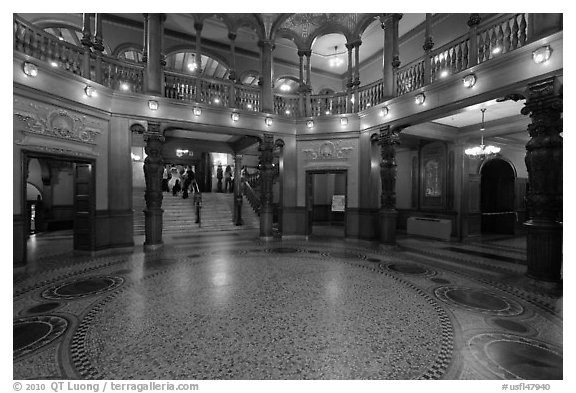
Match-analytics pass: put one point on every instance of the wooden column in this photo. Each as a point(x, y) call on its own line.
point(198, 60)
point(267, 103)
point(98, 47)
point(87, 44)
point(473, 23)
point(232, 76)
point(350, 82)
point(153, 170)
point(543, 160)
point(388, 138)
point(266, 149)
point(153, 65)
point(302, 87)
point(428, 45)
point(357, 75)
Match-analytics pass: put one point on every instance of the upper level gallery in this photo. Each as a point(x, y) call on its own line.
point(291, 73)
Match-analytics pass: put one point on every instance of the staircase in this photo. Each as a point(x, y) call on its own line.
point(179, 214)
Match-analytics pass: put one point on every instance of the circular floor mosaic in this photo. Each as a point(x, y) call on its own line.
point(43, 308)
point(254, 317)
point(410, 269)
point(478, 300)
point(31, 333)
point(514, 357)
point(83, 287)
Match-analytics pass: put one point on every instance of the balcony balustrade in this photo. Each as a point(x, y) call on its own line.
point(493, 37)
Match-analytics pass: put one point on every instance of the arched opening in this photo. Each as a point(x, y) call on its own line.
point(497, 197)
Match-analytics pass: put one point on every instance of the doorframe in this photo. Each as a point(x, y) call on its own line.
point(308, 178)
point(515, 173)
point(25, 157)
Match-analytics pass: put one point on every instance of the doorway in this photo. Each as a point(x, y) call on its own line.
point(326, 203)
point(497, 197)
point(58, 204)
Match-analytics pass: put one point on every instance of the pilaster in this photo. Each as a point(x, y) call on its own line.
point(153, 170)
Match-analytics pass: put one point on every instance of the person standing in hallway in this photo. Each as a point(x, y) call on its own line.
point(228, 179)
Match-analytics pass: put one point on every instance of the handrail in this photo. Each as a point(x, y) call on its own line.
point(252, 196)
point(495, 35)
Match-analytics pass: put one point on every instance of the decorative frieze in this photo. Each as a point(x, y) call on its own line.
point(56, 122)
point(328, 150)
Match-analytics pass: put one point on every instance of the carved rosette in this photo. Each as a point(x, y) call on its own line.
point(544, 150)
point(388, 138)
point(266, 149)
point(153, 170)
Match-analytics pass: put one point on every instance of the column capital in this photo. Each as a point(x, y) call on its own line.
point(349, 45)
point(153, 128)
point(474, 20)
point(198, 26)
point(305, 52)
point(428, 44)
point(266, 44)
point(232, 36)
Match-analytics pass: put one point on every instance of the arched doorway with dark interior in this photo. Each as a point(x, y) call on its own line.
point(497, 197)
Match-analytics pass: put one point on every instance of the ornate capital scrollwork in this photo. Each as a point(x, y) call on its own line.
point(544, 150)
point(474, 20)
point(428, 44)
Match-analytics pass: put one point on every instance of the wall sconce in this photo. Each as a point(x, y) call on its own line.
point(420, 98)
point(384, 112)
point(197, 111)
point(90, 91)
point(153, 105)
point(469, 80)
point(542, 54)
point(268, 121)
point(310, 123)
point(343, 121)
point(235, 116)
point(30, 69)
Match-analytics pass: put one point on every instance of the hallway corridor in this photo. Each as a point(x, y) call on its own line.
point(229, 306)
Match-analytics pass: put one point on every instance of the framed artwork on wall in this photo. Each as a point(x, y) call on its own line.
point(433, 176)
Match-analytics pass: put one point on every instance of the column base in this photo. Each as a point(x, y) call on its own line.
point(388, 226)
point(266, 222)
point(153, 227)
point(544, 250)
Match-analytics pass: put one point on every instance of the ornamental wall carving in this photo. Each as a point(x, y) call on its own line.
point(49, 121)
point(327, 150)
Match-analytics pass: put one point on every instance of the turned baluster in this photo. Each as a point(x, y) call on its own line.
point(515, 32)
point(507, 37)
point(522, 36)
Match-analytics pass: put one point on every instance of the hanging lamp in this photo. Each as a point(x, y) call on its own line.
point(482, 151)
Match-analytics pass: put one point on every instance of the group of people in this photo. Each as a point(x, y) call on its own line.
point(175, 181)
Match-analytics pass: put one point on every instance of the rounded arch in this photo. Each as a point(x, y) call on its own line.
point(287, 84)
point(482, 164)
point(290, 35)
point(249, 77)
point(364, 23)
point(497, 196)
point(181, 58)
point(329, 28)
point(69, 32)
point(129, 51)
point(326, 91)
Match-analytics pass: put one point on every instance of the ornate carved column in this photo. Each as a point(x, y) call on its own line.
point(237, 189)
point(153, 169)
point(473, 23)
point(428, 45)
point(543, 160)
point(267, 103)
point(98, 46)
point(87, 44)
point(266, 149)
point(153, 74)
point(388, 138)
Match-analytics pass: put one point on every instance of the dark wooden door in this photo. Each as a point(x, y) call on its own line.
point(84, 206)
point(309, 202)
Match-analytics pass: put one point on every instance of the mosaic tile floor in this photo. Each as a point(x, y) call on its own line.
point(240, 308)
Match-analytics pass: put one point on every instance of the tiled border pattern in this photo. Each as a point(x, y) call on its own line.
point(57, 324)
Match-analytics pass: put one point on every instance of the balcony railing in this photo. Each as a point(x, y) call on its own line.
point(493, 37)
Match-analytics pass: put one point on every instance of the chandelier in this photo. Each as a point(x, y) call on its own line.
point(335, 59)
point(482, 151)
